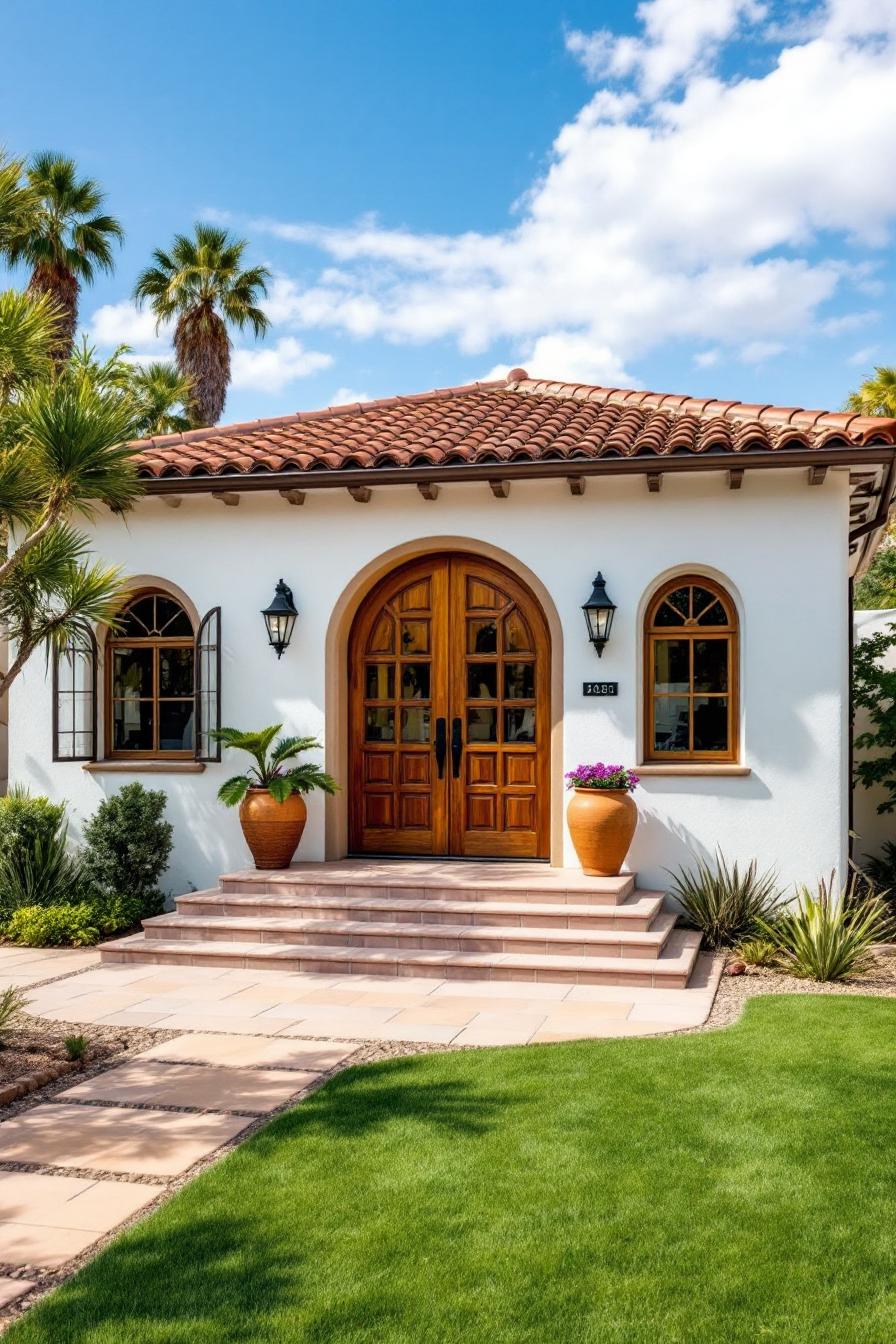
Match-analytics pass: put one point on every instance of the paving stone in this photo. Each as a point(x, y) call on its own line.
point(143, 1143)
point(203, 1087)
point(251, 1051)
point(45, 1220)
point(12, 1289)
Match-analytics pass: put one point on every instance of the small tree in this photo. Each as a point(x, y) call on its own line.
point(874, 690)
point(63, 452)
point(128, 846)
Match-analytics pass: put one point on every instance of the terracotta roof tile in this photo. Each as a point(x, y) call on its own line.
point(522, 419)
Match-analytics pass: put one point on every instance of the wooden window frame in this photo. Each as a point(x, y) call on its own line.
point(692, 632)
point(155, 643)
point(83, 645)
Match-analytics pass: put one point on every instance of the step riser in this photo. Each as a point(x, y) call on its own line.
point(542, 896)
point(412, 941)
point(634, 980)
point(610, 919)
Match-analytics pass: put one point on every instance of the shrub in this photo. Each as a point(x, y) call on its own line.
point(874, 690)
point(25, 820)
point(41, 871)
point(830, 935)
point(75, 1048)
point(12, 1005)
point(881, 870)
point(52, 925)
point(758, 952)
point(128, 846)
point(727, 905)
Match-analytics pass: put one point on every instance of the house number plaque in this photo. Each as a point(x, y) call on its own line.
point(600, 687)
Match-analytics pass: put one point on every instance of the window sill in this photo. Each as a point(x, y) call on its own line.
point(692, 768)
point(156, 767)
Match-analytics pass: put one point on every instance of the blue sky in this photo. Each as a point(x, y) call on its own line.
point(690, 196)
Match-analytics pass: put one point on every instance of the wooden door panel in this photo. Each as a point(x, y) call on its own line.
point(398, 690)
point(450, 638)
point(499, 686)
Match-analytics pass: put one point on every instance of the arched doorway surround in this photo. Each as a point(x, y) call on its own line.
point(485, 561)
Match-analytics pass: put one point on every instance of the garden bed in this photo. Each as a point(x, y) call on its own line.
point(735, 990)
point(33, 1055)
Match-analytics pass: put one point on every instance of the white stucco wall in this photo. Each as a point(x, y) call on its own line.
point(871, 827)
point(778, 544)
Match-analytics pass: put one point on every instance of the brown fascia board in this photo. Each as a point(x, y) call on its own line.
point(321, 479)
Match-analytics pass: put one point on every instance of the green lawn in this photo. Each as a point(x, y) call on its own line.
point(738, 1185)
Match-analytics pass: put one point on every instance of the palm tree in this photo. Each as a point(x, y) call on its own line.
point(157, 392)
point(200, 285)
point(65, 238)
point(29, 329)
point(15, 201)
point(877, 395)
point(162, 394)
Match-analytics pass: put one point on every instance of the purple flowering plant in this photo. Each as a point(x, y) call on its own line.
point(600, 776)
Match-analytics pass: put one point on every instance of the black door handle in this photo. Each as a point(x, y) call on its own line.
point(441, 746)
point(455, 747)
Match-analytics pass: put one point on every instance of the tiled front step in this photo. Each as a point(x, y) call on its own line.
point(423, 937)
point(634, 914)
point(670, 971)
point(437, 881)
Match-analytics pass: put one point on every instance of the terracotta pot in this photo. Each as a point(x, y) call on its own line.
point(601, 823)
point(272, 830)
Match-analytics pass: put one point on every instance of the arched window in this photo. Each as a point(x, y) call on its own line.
point(150, 679)
point(691, 673)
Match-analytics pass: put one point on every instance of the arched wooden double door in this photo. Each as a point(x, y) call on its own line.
point(449, 675)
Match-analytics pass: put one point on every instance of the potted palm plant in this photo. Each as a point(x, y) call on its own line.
point(269, 794)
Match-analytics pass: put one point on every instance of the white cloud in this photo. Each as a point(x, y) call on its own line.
point(347, 396)
point(581, 360)
point(707, 359)
point(715, 216)
point(680, 37)
point(863, 357)
point(837, 326)
point(125, 324)
point(271, 368)
point(757, 352)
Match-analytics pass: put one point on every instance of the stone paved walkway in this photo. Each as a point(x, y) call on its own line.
point(106, 1148)
point(369, 1008)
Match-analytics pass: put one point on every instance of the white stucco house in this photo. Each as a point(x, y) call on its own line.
point(439, 549)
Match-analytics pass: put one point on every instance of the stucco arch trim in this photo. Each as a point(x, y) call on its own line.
point(336, 679)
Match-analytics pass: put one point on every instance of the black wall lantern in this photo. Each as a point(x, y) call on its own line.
point(599, 611)
point(280, 617)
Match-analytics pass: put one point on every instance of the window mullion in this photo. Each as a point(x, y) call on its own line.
point(155, 698)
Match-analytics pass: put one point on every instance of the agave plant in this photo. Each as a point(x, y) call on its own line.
point(727, 905)
point(273, 769)
point(830, 935)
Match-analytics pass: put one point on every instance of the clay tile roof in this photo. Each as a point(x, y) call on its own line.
point(519, 419)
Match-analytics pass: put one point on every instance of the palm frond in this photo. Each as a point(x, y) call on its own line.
point(306, 778)
point(288, 747)
point(77, 437)
point(233, 791)
point(29, 329)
